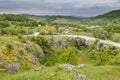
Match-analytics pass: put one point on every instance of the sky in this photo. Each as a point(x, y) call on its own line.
point(85, 8)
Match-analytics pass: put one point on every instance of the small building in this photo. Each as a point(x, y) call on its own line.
point(48, 25)
point(66, 29)
point(39, 25)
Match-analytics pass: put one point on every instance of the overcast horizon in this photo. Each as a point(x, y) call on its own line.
point(84, 8)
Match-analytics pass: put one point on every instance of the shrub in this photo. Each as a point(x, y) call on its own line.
point(42, 41)
point(51, 57)
point(101, 33)
point(70, 56)
point(115, 37)
point(116, 59)
point(19, 36)
point(108, 55)
point(26, 66)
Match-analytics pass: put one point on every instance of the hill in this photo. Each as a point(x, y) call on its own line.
point(107, 18)
point(111, 14)
point(7, 20)
point(55, 19)
point(13, 17)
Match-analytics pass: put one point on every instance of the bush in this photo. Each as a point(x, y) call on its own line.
point(108, 55)
point(19, 36)
point(42, 41)
point(101, 33)
point(51, 57)
point(26, 66)
point(70, 56)
point(115, 37)
point(116, 59)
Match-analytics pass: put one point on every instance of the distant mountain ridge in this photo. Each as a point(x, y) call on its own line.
point(111, 14)
point(112, 17)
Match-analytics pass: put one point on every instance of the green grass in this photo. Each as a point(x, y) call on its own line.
point(81, 33)
point(56, 73)
point(5, 39)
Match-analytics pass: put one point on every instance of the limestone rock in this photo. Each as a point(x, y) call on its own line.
point(69, 67)
point(12, 68)
point(81, 65)
point(42, 55)
point(63, 43)
point(80, 76)
point(40, 68)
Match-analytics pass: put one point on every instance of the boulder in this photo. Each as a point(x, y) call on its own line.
point(63, 43)
point(55, 43)
point(81, 65)
point(69, 67)
point(40, 68)
point(12, 68)
point(80, 76)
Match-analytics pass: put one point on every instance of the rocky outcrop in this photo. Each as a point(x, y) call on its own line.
point(80, 76)
point(40, 50)
point(34, 48)
point(77, 42)
point(69, 67)
point(12, 68)
point(15, 55)
point(77, 75)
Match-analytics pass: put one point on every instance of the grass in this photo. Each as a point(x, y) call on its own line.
point(56, 73)
point(4, 39)
point(81, 33)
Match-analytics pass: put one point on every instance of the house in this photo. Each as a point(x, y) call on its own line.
point(39, 25)
point(48, 25)
point(66, 29)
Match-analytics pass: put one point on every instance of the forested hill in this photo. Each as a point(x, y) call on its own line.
point(112, 17)
point(56, 19)
point(13, 17)
point(112, 14)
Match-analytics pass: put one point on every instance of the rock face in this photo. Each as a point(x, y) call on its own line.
point(77, 42)
point(41, 52)
point(15, 55)
point(34, 49)
point(12, 68)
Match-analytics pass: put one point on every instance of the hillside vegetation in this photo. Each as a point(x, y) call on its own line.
point(112, 14)
point(112, 17)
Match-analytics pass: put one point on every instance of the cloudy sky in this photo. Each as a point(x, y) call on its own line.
point(59, 7)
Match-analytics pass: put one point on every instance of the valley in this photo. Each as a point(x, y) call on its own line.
point(60, 47)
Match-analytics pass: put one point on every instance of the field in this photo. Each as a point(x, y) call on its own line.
point(55, 73)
